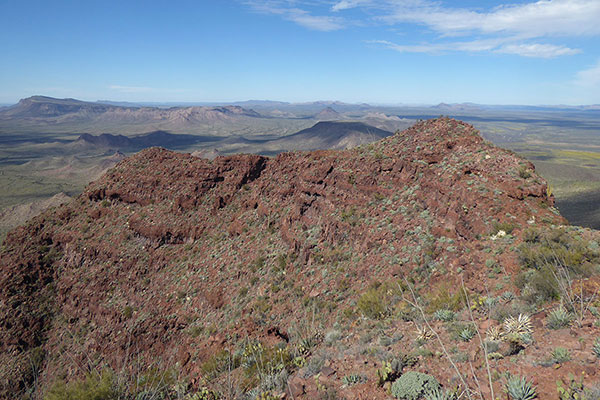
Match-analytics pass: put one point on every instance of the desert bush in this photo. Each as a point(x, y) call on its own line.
point(507, 227)
point(377, 301)
point(102, 386)
point(551, 261)
point(444, 299)
point(518, 388)
point(414, 385)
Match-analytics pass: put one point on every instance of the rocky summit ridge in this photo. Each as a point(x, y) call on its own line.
point(177, 263)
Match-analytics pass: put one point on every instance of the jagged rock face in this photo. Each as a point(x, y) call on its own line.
point(166, 241)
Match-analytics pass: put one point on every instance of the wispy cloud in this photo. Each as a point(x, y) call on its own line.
point(347, 4)
point(590, 77)
point(529, 29)
point(537, 50)
point(288, 11)
point(491, 45)
point(536, 19)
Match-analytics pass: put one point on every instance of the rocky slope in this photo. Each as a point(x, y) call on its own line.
point(294, 276)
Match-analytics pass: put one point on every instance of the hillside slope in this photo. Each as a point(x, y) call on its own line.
point(287, 274)
point(336, 135)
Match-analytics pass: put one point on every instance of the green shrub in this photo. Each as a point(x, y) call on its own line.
point(444, 299)
point(560, 355)
point(203, 394)
point(94, 387)
point(524, 172)
point(507, 227)
point(414, 385)
point(559, 318)
point(376, 302)
point(518, 388)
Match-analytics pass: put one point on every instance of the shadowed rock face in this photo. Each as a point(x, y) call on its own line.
point(172, 238)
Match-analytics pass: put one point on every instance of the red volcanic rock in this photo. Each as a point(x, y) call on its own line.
point(167, 244)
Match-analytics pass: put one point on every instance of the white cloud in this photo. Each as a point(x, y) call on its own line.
point(317, 23)
point(347, 4)
point(538, 19)
point(495, 45)
point(589, 78)
point(297, 15)
point(537, 50)
point(527, 29)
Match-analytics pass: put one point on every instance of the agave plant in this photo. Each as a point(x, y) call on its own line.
point(494, 334)
point(438, 394)
point(518, 326)
point(518, 388)
point(559, 318)
point(596, 348)
point(445, 315)
point(423, 334)
point(466, 334)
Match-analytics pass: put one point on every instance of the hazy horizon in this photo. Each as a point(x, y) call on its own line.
point(389, 52)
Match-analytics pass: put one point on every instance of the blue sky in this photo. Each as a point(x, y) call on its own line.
point(385, 51)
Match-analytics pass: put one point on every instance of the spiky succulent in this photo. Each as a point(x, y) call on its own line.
point(559, 318)
point(596, 348)
point(518, 326)
point(439, 394)
point(423, 334)
point(466, 334)
point(445, 315)
point(494, 333)
point(518, 388)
